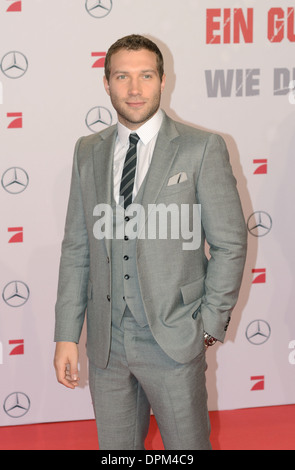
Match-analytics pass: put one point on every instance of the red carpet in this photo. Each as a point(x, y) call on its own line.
point(270, 428)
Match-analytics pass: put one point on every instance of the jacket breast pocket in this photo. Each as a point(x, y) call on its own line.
point(178, 188)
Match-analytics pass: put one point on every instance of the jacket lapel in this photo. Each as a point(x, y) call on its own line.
point(164, 154)
point(103, 170)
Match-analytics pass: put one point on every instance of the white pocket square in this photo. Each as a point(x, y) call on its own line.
point(179, 178)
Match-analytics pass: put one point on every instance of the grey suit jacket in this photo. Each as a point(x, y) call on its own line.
point(183, 293)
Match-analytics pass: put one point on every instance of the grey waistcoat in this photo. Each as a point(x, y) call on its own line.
point(125, 285)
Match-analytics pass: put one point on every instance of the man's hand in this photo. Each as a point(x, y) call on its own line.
point(66, 363)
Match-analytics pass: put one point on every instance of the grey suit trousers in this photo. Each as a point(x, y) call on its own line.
point(140, 376)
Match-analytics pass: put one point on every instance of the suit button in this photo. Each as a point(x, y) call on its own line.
point(126, 238)
point(126, 257)
point(109, 297)
point(126, 276)
point(127, 218)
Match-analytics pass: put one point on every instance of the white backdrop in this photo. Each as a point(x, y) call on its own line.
point(228, 71)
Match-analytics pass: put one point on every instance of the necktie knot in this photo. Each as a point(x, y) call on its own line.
point(133, 139)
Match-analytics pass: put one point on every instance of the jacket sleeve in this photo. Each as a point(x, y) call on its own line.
point(226, 234)
point(74, 266)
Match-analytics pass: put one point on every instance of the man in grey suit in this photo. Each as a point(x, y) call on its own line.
point(154, 302)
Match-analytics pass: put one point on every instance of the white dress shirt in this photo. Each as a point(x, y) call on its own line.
point(148, 134)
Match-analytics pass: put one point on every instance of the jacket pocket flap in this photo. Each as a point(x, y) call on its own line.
point(193, 291)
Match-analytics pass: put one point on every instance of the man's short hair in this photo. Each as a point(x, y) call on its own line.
point(134, 42)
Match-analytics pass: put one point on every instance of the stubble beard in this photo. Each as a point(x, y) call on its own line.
point(131, 118)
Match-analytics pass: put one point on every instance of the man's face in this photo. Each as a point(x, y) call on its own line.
point(134, 86)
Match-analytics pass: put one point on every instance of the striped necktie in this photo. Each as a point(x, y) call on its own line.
point(128, 175)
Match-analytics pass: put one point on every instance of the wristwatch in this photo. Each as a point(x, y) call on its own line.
point(209, 340)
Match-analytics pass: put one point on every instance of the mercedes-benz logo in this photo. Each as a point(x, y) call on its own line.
point(15, 180)
point(17, 404)
point(15, 293)
point(98, 118)
point(14, 64)
point(258, 332)
point(98, 8)
point(259, 224)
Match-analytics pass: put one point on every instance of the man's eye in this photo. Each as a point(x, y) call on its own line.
point(147, 76)
point(121, 77)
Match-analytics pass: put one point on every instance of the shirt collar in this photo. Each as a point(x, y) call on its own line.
point(146, 132)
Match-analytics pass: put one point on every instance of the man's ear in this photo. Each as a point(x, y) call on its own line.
point(106, 85)
point(163, 83)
